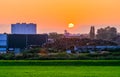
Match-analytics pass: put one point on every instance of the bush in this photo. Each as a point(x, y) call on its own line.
point(7, 56)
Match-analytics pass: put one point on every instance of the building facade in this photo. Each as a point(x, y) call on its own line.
point(18, 42)
point(3, 43)
point(23, 28)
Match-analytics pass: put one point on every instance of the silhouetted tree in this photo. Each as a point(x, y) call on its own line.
point(92, 32)
point(106, 33)
point(55, 35)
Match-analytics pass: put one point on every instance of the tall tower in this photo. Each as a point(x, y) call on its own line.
point(92, 32)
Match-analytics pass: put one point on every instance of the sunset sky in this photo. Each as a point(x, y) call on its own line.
point(55, 15)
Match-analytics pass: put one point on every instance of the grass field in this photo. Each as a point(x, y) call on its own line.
point(59, 68)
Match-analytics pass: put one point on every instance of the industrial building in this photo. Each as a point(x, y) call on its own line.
point(19, 42)
point(23, 28)
point(22, 36)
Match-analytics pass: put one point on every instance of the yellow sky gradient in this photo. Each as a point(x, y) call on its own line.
point(55, 15)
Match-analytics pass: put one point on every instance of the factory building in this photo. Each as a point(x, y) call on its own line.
point(23, 28)
point(22, 36)
point(19, 42)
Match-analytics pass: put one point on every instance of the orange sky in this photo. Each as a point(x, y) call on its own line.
point(55, 15)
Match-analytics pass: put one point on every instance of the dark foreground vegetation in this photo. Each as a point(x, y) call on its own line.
point(60, 63)
point(43, 54)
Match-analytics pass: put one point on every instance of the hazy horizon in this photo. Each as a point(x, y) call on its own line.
point(7, 29)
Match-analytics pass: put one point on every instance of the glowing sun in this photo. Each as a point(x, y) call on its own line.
point(71, 25)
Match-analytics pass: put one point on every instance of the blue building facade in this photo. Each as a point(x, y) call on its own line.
point(3, 43)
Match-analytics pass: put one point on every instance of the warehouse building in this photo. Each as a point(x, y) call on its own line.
point(22, 36)
point(19, 42)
